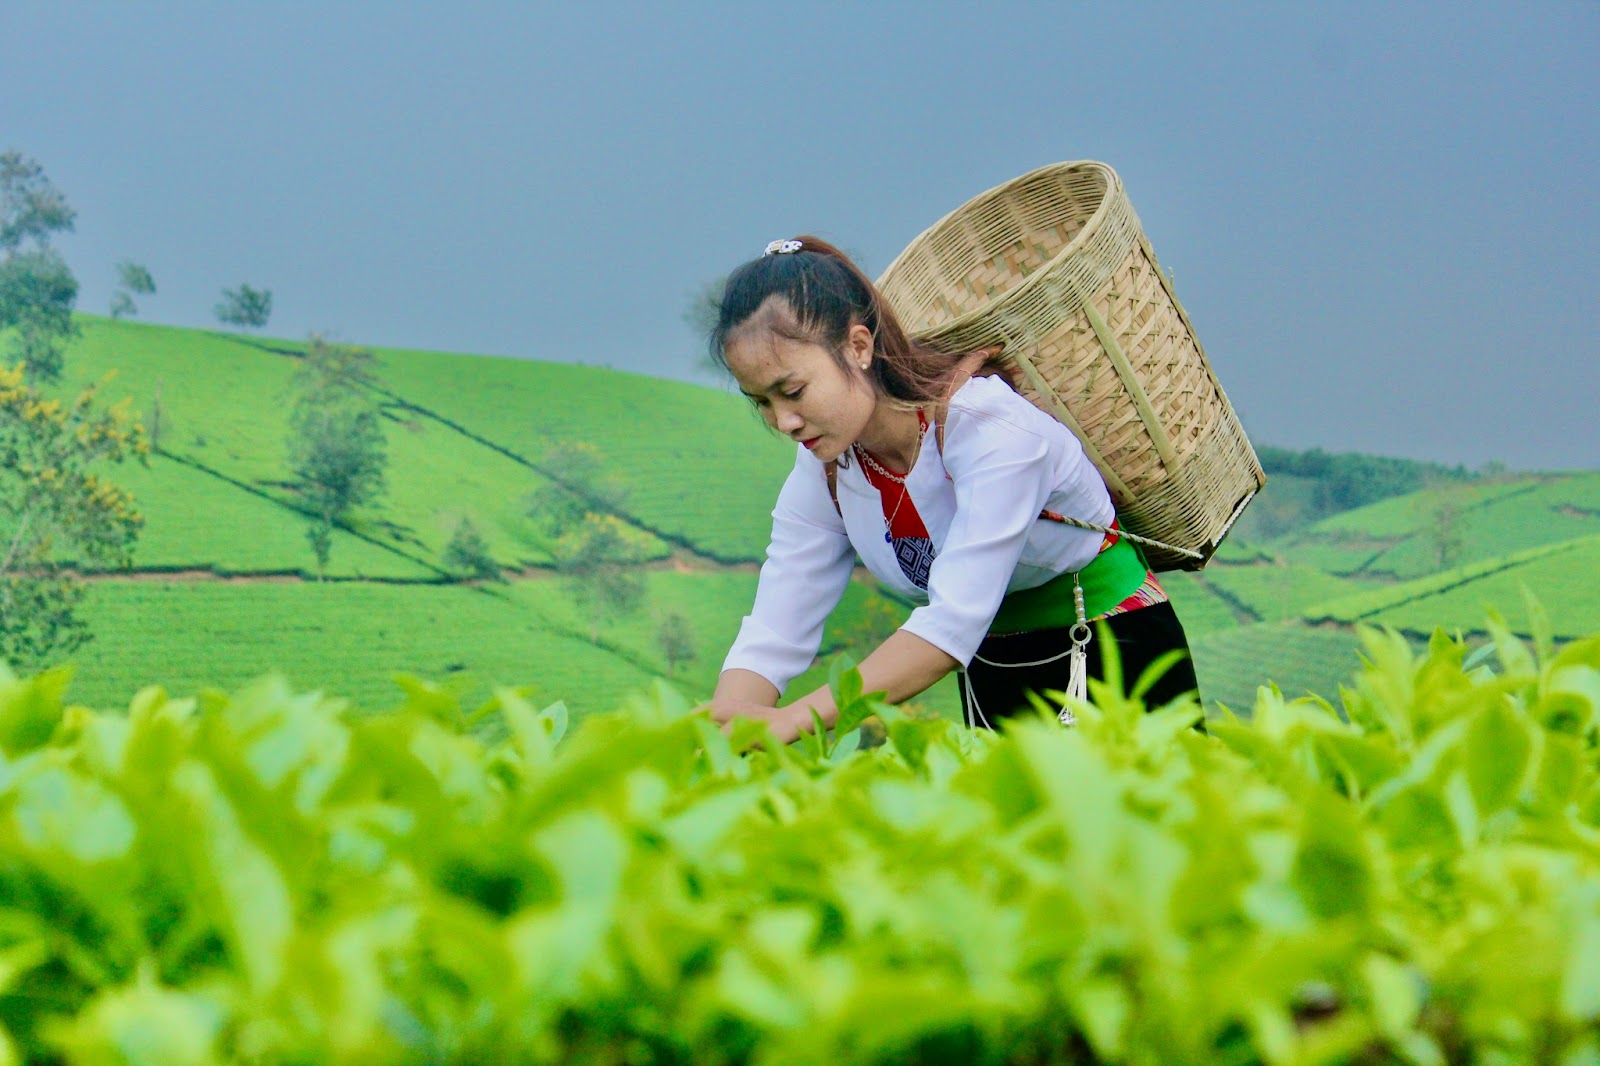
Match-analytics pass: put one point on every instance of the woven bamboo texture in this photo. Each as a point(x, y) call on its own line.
point(1054, 266)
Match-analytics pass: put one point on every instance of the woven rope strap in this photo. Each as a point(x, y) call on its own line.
point(1149, 542)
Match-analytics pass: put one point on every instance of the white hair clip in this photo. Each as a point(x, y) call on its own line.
point(782, 248)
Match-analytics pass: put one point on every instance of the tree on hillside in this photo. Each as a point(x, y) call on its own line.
point(55, 510)
point(675, 638)
point(337, 456)
point(132, 280)
point(331, 373)
point(31, 208)
point(468, 554)
point(337, 448)
point(37, 289)
point(595, 551)
point(578, 485)
point(156, 421)
point(244, 307)
point(602, 569)
point(1447, 533)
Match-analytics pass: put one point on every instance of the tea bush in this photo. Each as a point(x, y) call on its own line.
point(271, 876)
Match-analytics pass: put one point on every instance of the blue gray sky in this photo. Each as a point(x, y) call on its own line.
point(1380, 216)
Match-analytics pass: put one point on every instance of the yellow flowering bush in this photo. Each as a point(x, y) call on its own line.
point(56, 512)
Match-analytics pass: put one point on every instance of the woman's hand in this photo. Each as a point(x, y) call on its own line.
point(786, 723)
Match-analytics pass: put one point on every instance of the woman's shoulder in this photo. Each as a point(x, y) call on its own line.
point(985, 391)
point(988, 406)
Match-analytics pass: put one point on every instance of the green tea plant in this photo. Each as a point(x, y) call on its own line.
point(272, 876)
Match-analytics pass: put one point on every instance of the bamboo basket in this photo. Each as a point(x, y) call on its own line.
point(1053, 265)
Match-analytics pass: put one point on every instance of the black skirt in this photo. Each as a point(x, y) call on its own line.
point(1001, 689)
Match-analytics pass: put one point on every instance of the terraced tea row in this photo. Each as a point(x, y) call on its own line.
point(1560, 576)
point(357, 636)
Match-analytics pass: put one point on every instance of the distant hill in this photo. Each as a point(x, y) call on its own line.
point(1439, 528)
point(1559, 574)
point(1440, 557)
point(220, 590)
point(1304, 487)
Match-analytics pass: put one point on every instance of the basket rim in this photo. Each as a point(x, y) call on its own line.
point(1090, 226)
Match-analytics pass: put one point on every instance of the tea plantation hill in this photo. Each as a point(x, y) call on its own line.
point(223, 587)
point(223, 584)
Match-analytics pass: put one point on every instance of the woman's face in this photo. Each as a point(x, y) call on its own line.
point(801, 391)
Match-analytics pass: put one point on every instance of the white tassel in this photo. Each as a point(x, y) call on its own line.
point(1077, 683)
point(1078, 663)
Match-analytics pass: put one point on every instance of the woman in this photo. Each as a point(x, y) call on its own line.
point(944, 480)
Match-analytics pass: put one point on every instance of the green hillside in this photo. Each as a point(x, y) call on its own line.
point(1304, 487)
point(196, 520)
point(356, 637)
point(1409, 536)
point(1198, 604)
point(476, 424)
point(219, 592)
point(349, 637)
point(466, 436)
point(1232, 664)
point(1277, 590)
point(1560, 576)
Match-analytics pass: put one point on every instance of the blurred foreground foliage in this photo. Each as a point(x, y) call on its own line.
point(270, 876)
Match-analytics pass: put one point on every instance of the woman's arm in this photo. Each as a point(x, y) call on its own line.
point(745, 686)
point(808, 564)
point(743, 694)
point(902, 666)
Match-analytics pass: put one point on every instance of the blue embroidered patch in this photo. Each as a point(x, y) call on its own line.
point(915, 556)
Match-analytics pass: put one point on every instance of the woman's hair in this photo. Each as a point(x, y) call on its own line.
point(824, 294)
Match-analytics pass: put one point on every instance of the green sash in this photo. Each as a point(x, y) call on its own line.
point(1112, 577)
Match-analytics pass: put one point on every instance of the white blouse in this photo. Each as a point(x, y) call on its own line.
point(1004, 460)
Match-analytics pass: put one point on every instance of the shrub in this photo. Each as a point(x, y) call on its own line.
point(270, 876)
point(468, 555)
point(245, 307)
